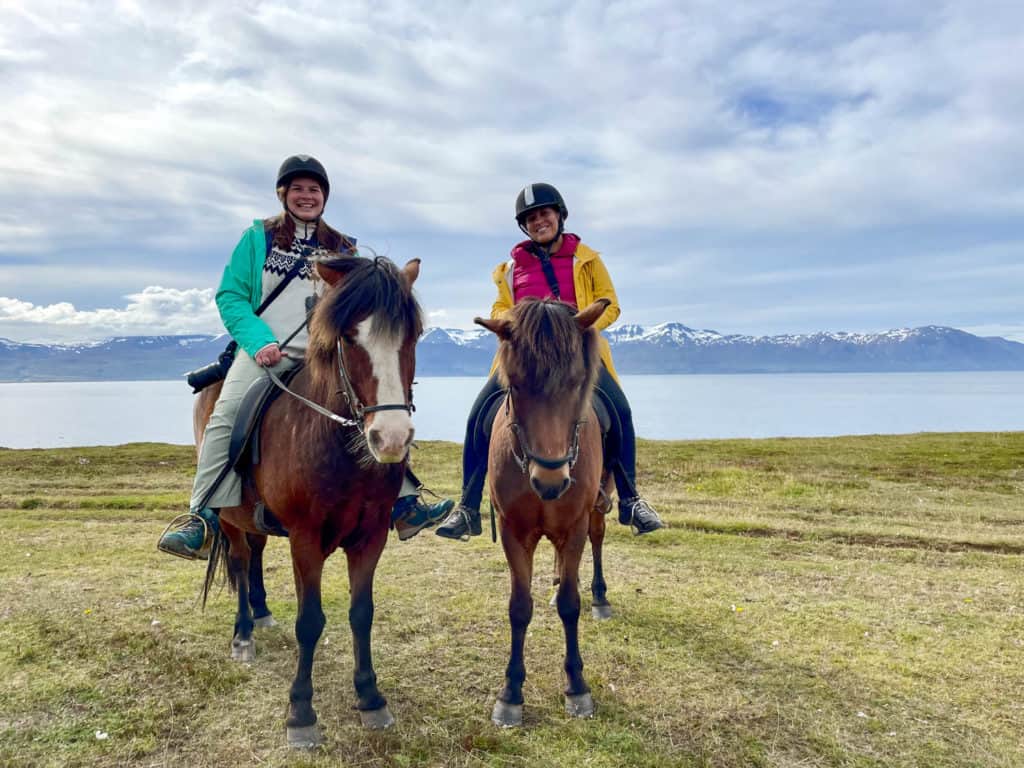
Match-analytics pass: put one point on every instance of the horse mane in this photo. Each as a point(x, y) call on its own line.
point(545, 349)
point(368, 287)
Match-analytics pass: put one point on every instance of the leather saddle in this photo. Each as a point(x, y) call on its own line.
point(244, 451)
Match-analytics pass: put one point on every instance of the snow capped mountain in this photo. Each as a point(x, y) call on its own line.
point(678, 348)
point(659, 349)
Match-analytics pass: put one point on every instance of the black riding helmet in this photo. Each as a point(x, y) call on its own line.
point(540, 195)
point(535, 196)
point(303, 165)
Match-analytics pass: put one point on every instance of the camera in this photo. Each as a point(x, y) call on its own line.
point(201, 378)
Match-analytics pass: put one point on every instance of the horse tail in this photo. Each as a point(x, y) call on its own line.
point(218, 562)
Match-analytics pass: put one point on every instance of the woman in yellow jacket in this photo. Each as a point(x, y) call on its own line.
point(552, 264)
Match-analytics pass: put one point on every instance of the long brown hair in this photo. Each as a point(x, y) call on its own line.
point(283, 227)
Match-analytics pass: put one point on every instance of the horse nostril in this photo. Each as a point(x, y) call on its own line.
point(549, 492)
point(375, 439)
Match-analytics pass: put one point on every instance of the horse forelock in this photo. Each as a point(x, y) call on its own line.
point(546, 352)
point(371, 287)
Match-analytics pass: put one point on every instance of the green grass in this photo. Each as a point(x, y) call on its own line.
point(816, 602)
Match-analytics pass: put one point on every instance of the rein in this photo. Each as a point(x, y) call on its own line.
point(523, 461)
point(347, 391)
point(355, 405)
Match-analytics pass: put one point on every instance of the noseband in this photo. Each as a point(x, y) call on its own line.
point(355, 405)
point(523, 461)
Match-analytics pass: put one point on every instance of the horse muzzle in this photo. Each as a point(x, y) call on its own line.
point(389, 436)
point(549, 484)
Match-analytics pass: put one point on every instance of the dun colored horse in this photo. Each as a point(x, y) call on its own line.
point(545, 469)
point(330, 482)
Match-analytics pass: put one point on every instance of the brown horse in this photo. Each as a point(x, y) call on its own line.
point(545, 468)
point(331, 482)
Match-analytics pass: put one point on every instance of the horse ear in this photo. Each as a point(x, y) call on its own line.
point(329, 275)
point(589, 316)
point(411, 270)
point(501, 328)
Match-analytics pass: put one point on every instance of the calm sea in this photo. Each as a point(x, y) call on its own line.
point(664, 407)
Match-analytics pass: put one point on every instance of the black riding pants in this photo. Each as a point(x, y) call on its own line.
point(474, 446)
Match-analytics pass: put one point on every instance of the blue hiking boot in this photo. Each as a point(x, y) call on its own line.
point(411, 515)
point(190, 536)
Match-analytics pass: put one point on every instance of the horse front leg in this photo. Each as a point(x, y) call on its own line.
point(600, 608)
point(578, 701)
point(362, 563)
point(261, 615)
point(508, 709)
point(308, 565)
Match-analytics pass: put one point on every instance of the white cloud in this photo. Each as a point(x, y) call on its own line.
point(155, 310)
point(153, 130)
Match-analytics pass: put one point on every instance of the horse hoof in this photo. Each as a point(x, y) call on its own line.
point(265, 621)
point(243, 650)
point(377, 719)
point(304, 737)
point(581, 705)
point(601, 612)
point(507, 715)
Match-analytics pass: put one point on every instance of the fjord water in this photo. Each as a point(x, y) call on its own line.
point(676, 407)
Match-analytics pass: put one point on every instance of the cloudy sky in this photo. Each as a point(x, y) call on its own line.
point(753, 167)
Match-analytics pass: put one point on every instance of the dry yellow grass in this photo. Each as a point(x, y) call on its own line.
point(841, 602)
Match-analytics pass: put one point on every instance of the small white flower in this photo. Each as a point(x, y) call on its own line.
point(102, 735)
point(861, 714)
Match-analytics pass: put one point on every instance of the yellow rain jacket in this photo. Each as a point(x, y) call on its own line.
point(591, 281)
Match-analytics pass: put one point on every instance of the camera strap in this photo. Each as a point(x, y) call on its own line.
point(288, 277)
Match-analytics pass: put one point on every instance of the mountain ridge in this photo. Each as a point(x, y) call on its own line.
point(665, 348)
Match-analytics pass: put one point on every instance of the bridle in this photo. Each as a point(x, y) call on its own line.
point(348, 393)
point(523, 461)
point(355, 405)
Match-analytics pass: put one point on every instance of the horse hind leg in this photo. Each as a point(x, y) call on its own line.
point(600, 608)
point(261, 615)
point(555, 578)
point(243, 645)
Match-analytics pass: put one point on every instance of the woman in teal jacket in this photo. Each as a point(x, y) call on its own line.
point(270, 256)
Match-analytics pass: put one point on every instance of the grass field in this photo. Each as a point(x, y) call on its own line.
point(816, 602)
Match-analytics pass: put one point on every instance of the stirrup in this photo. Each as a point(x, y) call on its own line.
point(178, 524)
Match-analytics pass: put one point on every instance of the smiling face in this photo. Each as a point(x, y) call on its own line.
point(304, 198)
point(541, 224)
